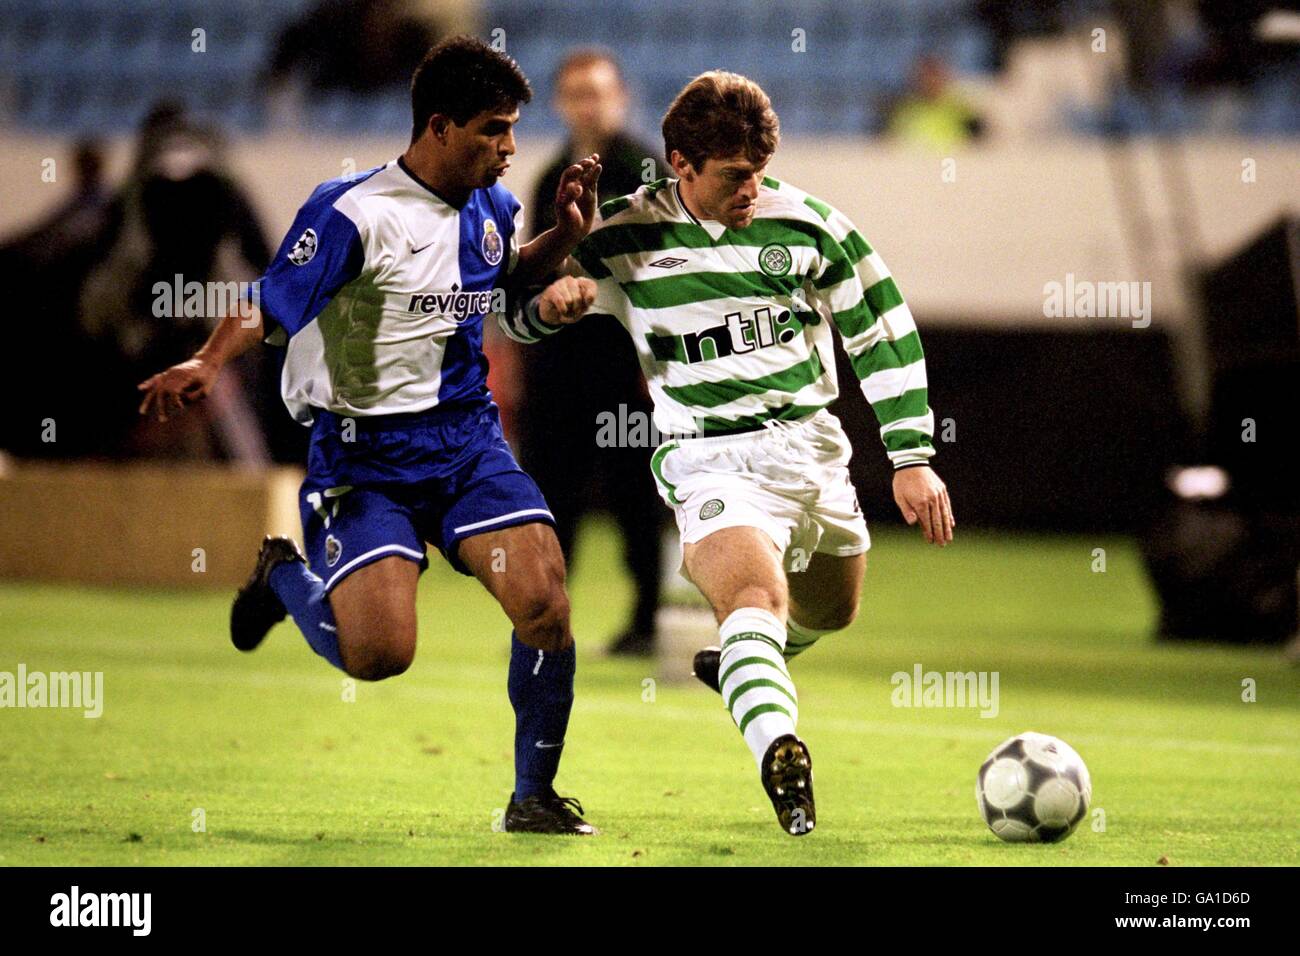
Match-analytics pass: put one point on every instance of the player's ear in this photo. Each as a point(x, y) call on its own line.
point(440, 125)
point(681, 165)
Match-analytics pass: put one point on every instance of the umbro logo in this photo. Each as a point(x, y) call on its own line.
point(668, 262)
point(421, 249)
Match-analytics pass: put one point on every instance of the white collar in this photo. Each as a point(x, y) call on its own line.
point(714, 228)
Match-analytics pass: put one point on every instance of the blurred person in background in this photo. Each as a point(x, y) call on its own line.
point(933, 113)
point(1225, 57)
point(44, 268)
point(1009, 22)
point(74, 222)
point(179, 218)
point(354, 46)
point(592, 368)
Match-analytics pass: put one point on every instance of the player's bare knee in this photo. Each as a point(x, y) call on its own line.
point(541, 618)
point(384, 655)
point(381, 665)
point(770, 599)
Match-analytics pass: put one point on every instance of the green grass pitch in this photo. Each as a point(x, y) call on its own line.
point(416, 769)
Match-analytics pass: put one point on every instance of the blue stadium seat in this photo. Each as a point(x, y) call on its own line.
point(60, 56)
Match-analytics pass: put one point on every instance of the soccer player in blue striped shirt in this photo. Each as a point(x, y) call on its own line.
point(377, 296)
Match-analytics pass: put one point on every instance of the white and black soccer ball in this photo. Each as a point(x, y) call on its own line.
point(1033, 788)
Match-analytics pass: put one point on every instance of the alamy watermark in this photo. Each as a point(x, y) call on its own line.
point(1084, 299)
point(199, 300)
point(922, 688)
point(632, 428)
point(74, 689)
point(130, 910)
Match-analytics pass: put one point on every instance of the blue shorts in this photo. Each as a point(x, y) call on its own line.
point(383, 485)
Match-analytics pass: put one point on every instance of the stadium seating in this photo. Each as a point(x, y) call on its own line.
point(98, 71)
point(94, 66)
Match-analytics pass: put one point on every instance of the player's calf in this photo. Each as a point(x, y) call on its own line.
point(805, 627)
point(825, 617)
point(523, 568)
point(823, 599)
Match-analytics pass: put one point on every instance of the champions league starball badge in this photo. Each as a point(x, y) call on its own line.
point(491, 244)
point(304, 248)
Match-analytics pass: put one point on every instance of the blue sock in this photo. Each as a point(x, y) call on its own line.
point(541, 692)
point(304, 597)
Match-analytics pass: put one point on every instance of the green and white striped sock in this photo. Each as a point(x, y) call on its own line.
point(800, 638)
point(753, 678)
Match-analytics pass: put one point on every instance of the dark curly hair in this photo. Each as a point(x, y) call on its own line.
point(460, 78)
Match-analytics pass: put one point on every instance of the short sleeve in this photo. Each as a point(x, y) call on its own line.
point(321, 253)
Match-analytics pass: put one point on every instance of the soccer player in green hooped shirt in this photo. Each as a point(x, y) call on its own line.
point(729, 282)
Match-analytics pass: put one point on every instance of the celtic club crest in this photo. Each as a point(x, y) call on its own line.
point(775, 259)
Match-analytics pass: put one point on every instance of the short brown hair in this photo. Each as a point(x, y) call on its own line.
point(720, 114)
point(583, 57)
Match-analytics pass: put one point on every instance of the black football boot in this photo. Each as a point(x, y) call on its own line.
point(787, 777)
point(707, 661)
point(257, 609)
point(549, 813)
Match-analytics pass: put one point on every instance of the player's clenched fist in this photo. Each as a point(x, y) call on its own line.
point(566, 300)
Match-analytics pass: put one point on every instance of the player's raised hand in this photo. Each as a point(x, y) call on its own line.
point(921, 496)
point(566, 300)
point(173, 389)
point(575, 199)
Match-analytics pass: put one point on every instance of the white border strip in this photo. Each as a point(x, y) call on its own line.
point(498, 520)
point(395, 548)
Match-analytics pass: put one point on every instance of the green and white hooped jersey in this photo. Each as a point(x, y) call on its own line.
point(733, 327)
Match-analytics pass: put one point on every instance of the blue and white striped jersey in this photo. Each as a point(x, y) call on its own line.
point(379, 292)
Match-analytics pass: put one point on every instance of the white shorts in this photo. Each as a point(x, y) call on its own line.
point(789, 480)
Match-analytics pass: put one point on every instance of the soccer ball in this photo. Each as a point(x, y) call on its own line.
point(1033, 787)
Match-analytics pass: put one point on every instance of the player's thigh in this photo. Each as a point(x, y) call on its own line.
point(825, 595)
point(737, 567)
point(374, 610)
point(523, 568)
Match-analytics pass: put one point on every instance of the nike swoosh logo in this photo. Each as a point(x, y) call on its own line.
point(541, 746)
point(421, 249)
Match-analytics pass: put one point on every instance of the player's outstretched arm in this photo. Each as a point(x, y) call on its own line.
point(575, 211)
point(884, 348)
point(191, 380)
